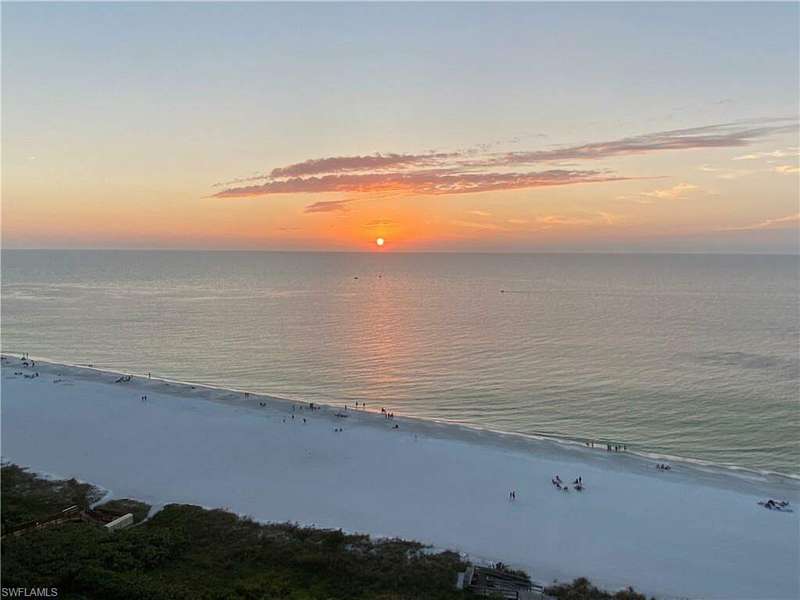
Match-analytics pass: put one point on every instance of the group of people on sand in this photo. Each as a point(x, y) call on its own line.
point(610, 447)
point(28, 364)
point(304, 419)
point(362, 405)
point(389, 415)
point(577, 484)
point(663, 467)
point(24, 359)
point(776, 505)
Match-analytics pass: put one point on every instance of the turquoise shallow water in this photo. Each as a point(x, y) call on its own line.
point(687, 355)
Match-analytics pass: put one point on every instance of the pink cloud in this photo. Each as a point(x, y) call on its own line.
point(326, 206)
point(464, 172)
point(372, 162)
point(434, 183)
point(727, 135)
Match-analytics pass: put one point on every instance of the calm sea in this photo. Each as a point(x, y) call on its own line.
point(686, 355)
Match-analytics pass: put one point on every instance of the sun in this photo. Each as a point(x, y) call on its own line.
point(380, 241)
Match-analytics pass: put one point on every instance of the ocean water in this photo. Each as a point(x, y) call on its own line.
point(694, 356)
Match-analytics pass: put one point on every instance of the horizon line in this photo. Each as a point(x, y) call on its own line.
point(404, 252)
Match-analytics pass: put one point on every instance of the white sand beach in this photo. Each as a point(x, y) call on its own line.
point(695, 531)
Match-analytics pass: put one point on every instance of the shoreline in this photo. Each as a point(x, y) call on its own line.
point(463, 431)
point(692, 532)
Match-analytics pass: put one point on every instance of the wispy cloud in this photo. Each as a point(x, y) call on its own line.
point(543, 222)
point(327, 206)
point(477, 225)
point(562, 220)
point(349, 164)
point(675, 192)
point(778, 223)
point(380, 223)
point(726, 135)
point(672, 193)
point(609, 218)
point(434, 182)
point(774, 154)
point(590, 219)
point(479, 170)
point(786, 169)
point(726, 173)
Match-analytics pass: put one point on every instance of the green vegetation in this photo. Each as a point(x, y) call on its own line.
point(27, 497)
point(582, 589)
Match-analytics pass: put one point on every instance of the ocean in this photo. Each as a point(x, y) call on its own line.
point(690, 356)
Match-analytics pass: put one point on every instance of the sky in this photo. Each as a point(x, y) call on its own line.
point(521, 127)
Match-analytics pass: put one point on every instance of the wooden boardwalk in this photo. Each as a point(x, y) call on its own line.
point(97, 516)
point(500, 583)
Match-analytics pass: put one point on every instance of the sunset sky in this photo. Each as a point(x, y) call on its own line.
point(448, 127)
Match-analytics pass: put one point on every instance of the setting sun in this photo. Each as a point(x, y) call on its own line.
point(380, 241)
